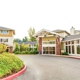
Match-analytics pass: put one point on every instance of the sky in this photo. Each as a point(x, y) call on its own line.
point(20, 15)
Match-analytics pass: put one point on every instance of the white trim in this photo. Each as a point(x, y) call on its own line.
point(42, 47)
point(46, 31)
point(55, 48)
point(75, 49)
point(49, 45)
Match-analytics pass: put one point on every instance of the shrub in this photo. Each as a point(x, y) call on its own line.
point(33, 52)
point(17, 47)
point(64, 53)
point(17, 52)
point(3, 48)
point(9, 64)
point(27, 52)
point(23, 52)
point(23, 47)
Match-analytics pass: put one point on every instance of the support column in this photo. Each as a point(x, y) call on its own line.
point(11, 49)
point(71, 46)
point(58, 45)
point(40, 45)
point(75, 48)
point(64, 47)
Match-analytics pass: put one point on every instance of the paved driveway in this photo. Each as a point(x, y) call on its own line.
point(50, 68)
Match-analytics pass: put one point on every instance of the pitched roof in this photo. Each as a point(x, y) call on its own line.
point(32, 43)
point(71, 37)
point(59, 30)
point(77, 30)
point(46, 31)
point(4, 28)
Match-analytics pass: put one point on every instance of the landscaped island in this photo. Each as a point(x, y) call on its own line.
point(9, 64)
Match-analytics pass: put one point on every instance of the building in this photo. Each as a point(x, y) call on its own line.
point(6, 37)
point(30, 44)
point(58, 41)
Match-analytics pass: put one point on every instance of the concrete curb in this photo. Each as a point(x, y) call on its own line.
point(11, 77)
point(65, 56)
point(74, 57)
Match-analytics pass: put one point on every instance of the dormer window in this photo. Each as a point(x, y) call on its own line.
point(4, 31)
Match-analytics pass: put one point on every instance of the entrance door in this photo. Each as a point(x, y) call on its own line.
point(48, 50)
point(7, 50)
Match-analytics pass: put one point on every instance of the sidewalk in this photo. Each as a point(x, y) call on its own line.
point(71, 56)
point(74, 56)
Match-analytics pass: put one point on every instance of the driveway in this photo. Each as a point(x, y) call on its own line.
point(44, 67)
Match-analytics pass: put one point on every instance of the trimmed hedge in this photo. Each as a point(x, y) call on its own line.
point(27, 52)
point(64, 53)
point(25, 49)
point(9, 64)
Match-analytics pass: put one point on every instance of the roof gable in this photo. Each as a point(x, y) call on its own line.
point(58, 30)
point(45, 31)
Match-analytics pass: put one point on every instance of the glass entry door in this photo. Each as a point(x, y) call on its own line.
point(48, 50)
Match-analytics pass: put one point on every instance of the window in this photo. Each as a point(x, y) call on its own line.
point(4, 31)
point(72, 42)
point(73, 49)
point(66, 43)
point(66, 48)
point(69, 42)
point(48, 50)
point(49, 42)
point(78, 49)
point(3, 40)
point(69, 49)
point(0, 40)
point(77, 41)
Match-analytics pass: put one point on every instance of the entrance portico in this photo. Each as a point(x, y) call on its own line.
point(49, 42)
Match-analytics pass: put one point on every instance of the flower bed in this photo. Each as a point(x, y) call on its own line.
point(9, 64)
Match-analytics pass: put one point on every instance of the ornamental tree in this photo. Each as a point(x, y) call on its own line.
point(3, 48)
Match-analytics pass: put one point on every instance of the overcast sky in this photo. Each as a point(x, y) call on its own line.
point(49, 14)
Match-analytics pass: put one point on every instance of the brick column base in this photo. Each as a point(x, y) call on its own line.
point(11, 49)
point(58, 46)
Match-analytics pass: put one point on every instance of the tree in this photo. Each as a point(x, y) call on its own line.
point(17, 47)
point(3, 48)
point(17, 40)
point(31, 32)
point(25, 39)
point(22, 47)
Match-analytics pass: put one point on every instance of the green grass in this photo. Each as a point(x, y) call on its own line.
point(9, 64)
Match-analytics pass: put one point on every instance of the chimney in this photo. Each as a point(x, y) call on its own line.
point(72, 31)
